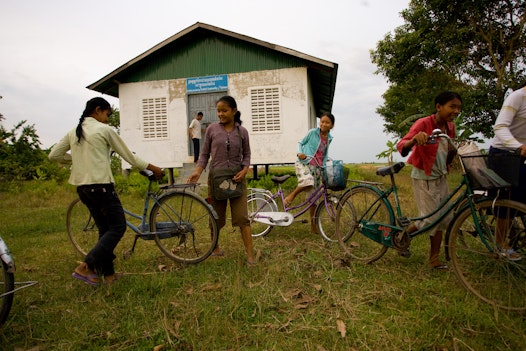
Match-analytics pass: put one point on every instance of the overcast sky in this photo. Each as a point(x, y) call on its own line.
point(51, 50)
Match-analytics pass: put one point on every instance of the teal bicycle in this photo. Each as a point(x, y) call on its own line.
point(471, 240)
point(178, 220)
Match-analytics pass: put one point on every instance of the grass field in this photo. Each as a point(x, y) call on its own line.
point(301, 296)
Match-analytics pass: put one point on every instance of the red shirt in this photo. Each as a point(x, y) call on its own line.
point(423, 157)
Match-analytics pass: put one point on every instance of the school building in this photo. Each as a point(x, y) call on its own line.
point(279, 91)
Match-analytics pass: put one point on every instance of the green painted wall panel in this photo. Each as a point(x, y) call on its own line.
point(208, 56)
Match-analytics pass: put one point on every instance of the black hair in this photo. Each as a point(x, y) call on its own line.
point(328, 114)
point(231, 102)
point(199, 113)
point(91, 106)
point(446, 96)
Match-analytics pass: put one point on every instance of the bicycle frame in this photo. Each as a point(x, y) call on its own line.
point(383, 233)
point(310, 201)
point(143, 230)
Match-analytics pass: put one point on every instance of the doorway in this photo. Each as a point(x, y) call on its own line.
point(206, 103)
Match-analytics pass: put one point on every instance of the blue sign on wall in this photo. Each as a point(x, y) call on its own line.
point(204, 84)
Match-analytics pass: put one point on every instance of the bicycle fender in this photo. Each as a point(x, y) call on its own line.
point(5, 255)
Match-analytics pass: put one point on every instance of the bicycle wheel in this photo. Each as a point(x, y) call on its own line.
point(185, 226)
point(7, 285)
point(477, 260)
point(325, 217)
point(260, 202)
point(358, 205)
point(82, 231)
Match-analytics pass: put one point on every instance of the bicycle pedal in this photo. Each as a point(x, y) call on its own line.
point(404, 222)
point(405, 253)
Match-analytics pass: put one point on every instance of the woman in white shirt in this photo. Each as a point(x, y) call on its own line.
point(91, 143)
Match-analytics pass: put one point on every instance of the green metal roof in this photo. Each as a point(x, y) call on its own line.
point(203, 50)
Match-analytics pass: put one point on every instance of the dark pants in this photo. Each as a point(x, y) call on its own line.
point(196, 149)
point(511, 168)
point(108, 214)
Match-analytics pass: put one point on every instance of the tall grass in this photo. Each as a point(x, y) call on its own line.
point(301, 296)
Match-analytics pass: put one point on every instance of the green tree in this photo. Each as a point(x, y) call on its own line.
point(20, 153)
point(115, 119)
point(388, 153)
point(474, 47)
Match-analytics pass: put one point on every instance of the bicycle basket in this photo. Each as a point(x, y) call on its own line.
point(480, 176)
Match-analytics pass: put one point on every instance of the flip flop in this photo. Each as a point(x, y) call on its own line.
point(91, 279)
point(441, 267)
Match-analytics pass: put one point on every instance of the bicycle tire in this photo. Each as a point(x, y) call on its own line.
point(325, 217)
point(260, 202)
point(355, 244)
point(8, 285)
point(185, 226)
point(81, 228)
point(479, 266)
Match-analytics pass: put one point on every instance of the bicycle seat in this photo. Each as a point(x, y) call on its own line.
point(393, 169)
point(281, 179)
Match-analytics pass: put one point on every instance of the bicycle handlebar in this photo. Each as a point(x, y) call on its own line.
point(148, 174)
point(309, 157)
point(438, 133)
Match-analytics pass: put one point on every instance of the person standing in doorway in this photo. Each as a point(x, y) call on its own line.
point(195, 133)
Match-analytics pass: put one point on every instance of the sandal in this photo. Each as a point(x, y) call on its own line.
point(90, 279)
point(511, 254)
point(441, 267)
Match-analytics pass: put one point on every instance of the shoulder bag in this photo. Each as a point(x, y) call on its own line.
point(223, 186)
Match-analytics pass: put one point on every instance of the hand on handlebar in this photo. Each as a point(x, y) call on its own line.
point(302, 156)
point(158, 172)
point(421, 138)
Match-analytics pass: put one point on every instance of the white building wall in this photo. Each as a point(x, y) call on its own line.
point(171, 152)
point(267, 148)
point(275, 147)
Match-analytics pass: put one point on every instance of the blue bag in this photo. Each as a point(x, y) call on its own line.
point(335, 175)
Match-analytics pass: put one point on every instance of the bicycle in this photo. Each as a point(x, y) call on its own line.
point(182, 223)
point(7, 282)
point(264, 213)
point(470, 238)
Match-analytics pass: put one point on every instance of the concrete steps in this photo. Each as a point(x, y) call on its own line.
point(187, 170)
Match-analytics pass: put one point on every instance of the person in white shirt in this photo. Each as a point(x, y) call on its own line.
point(510, 138)
point(90, 144)
point(195, 134)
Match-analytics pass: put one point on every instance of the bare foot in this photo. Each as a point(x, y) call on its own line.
point(110, 279)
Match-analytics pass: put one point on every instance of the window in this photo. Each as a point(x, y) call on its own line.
point(265, 108)
point(154, 119)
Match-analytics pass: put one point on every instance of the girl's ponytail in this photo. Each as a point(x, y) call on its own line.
point(91, 106)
